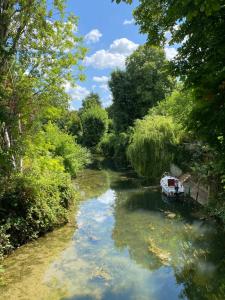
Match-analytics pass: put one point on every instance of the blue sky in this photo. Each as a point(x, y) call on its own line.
point(110, 35)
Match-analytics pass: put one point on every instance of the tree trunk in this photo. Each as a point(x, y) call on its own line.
point(20, 132)
point(8, 144)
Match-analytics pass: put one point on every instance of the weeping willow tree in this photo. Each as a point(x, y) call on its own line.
point(150, 149)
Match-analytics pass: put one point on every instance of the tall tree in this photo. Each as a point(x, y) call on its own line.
point(150, 149)
point(95, 125)
point(37, 52)
point(91, 100)
point(144, 82)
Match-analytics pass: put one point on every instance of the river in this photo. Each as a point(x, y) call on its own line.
point(125, 242)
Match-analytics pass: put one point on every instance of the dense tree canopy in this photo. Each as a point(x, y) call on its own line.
point(198, 28)
point(95, 124)
point(144, 82)
point(91, 100)
point(178, 105)
point(36, 56)
point(71, 122)
point(149, 151)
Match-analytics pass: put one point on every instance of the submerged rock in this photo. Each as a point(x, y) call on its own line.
point(170, 214)
point(102, 274)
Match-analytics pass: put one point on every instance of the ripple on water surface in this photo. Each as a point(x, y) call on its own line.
point(129, 243)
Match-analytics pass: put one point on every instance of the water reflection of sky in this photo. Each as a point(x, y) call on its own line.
point(94, 267)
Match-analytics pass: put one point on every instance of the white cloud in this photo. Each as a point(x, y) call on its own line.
point(77, 92)
point(123, 46)
point(104, 59)
point(104, 87)
point(114, 57)
point(171, 48)
point(93, 36)
point(101, 79)
point(171, 52)
point(128, 22)
point(108, 101)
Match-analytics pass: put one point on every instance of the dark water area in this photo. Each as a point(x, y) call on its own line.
point(127, 242)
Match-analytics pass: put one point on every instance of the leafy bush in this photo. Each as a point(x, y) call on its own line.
point(71, 123)
point(52, 141)
point(95, 125)
point(5, 246)
point(35, 202)
point(115, 145)
point(106, 145)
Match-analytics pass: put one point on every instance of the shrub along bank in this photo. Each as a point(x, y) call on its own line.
point(37, 200)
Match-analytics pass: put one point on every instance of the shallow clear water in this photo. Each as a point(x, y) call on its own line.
point(127, 242)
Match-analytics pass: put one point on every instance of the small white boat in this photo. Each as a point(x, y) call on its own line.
point(171, 186)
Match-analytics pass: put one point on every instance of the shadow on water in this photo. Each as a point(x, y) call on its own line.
point(152, 200)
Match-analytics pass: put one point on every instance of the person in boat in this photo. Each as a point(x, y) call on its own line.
point(176, 186)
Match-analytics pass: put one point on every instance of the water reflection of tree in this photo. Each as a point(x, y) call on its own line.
point(197, 251)
point(204, 278)
point(201, 285)
point(92, 183)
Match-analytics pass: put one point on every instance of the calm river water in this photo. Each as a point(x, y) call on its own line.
point(126, 242)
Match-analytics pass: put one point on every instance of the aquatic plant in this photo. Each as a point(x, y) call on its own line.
point(161, 254)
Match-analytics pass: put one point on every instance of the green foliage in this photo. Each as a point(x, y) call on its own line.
point(39, 58)
point(5, 246)
point(71, 122)
point(198, 28)
point(114, 146)
point(91, 100)
point(107, 144)
point(35, 201)
point(95, 125)
point(51, 141)
point(144, 82)
point(178, 106)
point(37, 61)
point(150, 149)
point(217, 210)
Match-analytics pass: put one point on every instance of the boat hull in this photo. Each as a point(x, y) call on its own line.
point(172, 194)
point(169, 189)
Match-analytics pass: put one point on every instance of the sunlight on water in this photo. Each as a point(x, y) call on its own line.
point(129, 243)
